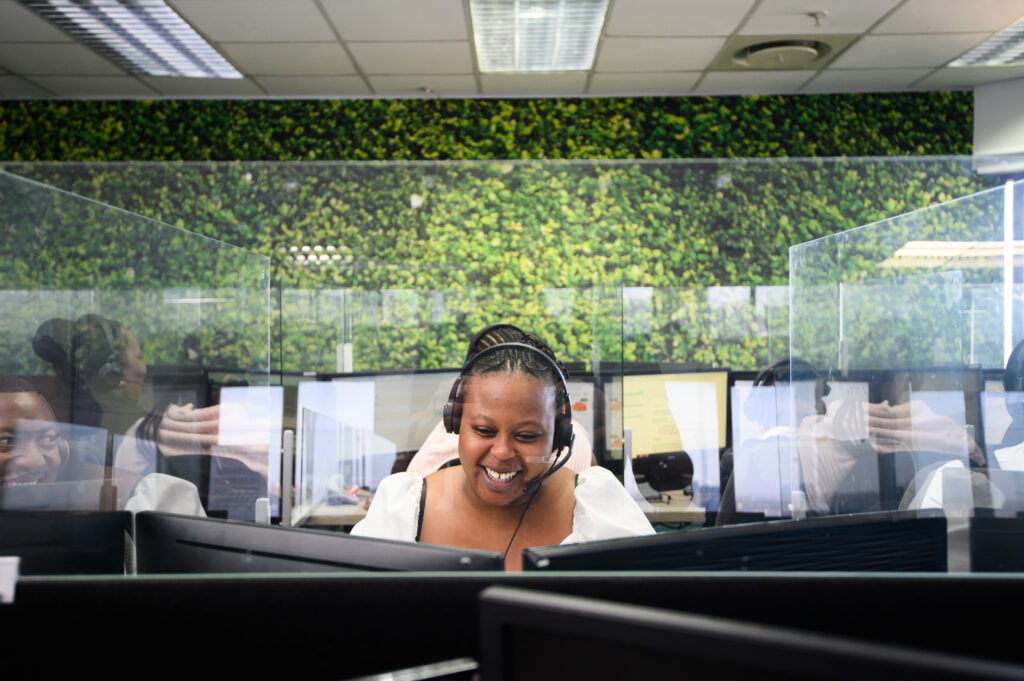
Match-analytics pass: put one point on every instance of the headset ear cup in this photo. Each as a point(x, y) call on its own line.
point(563, 422)
point(563, 433)
point(109, 376)
point(453, 408)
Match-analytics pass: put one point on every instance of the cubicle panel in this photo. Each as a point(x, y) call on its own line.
point(110, 321)
point(918, 308)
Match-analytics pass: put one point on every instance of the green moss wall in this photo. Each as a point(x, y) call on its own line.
point(492, 239)
point(446, 129)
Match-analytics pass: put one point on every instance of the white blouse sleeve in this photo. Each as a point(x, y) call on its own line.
point(604, 510)
point(394, 512)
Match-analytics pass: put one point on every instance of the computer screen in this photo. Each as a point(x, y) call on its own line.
point(527, 634)
point(404, 406)
point(900, 385)
point(896, 541)
point(765, 463)
point(671, 412)
point(173, 384)
point(678, 425)
point(54, 543)
point(168, 543)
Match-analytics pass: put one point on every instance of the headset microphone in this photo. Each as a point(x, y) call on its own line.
point(533, 484)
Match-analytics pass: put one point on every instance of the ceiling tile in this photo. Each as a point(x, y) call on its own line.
point(282, 59)
point(865, 80)
point(398, 19)
point(675, 17)
point(439, 86)
point(15, 87)
point(67, 59)
point(90, 87)
point(752, 82)
point(313, 86)
point(782, 17)
point(967, 77)
point(642, 83)
point(949, 16)
point(256, 20)
point(567, 84)
point(413, 57)
point(897, 51)
point(661, 54)
point(19, 24)
point(203, 87)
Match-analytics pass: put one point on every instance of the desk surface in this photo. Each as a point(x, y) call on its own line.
point(674, 507)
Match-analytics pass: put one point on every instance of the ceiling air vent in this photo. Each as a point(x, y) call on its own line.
point(780, 53)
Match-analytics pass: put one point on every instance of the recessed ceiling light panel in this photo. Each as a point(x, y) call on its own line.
point(1003, 49)
point(142, 36)
point(515, 36)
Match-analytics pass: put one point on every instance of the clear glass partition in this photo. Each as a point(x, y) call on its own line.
point(114, 326)
point(906, 328)
point(661, 286)
point(357, 423)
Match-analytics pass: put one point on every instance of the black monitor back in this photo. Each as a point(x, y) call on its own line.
point(897, 541)
point(527, 634)
point(56, 543)
point(996, 542)
point(168, 543)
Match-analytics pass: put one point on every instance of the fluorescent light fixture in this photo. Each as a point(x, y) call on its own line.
point(960, 254)
point(1002, 49)
point(519, 36)
point(142, 36)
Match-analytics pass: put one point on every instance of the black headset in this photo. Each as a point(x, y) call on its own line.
point(101, 360)
point(563, 436)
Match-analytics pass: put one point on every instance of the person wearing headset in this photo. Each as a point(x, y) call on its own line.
point(99, 363)
point(32, 449)
point(510, 410)
point(441, 447)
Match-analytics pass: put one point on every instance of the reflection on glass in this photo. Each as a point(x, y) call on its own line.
point(903, 314)
point(109, 331)
point(120, 322)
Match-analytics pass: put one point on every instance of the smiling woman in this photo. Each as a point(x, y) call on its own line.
point(510, 409)
point(31, 448)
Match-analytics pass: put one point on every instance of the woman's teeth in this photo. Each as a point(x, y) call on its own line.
point(499, 476)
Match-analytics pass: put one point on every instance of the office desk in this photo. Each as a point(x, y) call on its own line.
point(675, 507)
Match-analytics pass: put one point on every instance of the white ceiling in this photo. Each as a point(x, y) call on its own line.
point(423, 48)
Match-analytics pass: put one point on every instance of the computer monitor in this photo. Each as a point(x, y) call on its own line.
point(895, 541)
point(404, 406)
point(173, 384)
point(526, 634)
point(672, 412)
point(898, 386)
point(678, 422)
point(168, 543)
point(996, 541)
point(55, 543)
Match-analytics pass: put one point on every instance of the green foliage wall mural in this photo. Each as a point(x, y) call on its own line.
point(529, 210)
point(450, 129)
